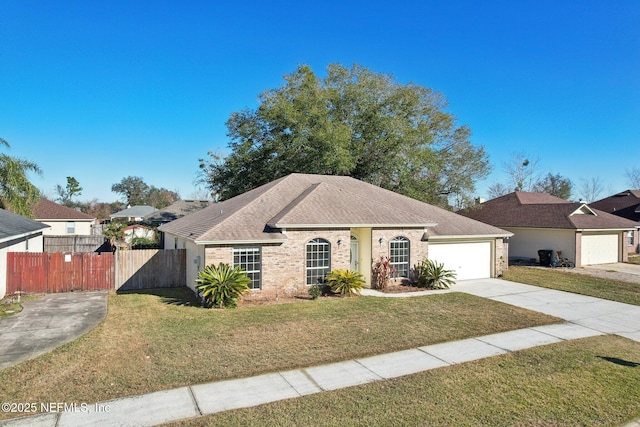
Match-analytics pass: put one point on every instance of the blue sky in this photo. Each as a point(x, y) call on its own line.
point(102, 90)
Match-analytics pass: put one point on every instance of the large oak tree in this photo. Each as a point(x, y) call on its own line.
point(353, 122)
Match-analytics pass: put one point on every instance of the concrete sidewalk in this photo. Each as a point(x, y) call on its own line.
point(587, 317)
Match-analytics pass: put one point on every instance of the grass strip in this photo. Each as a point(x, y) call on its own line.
point(593, 381)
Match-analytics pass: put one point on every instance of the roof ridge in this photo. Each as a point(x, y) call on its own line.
point(293, 203)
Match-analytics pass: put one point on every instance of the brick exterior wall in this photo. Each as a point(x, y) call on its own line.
point(283, 265)
point(418, 250)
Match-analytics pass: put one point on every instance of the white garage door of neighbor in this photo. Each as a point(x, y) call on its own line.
point(468, 260)
point(599, 248)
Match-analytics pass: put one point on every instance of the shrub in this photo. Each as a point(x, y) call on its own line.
point(144, 243)
point(222, 286)
point(382, 271)
point(345, 282)
point(315, 291)
point(432, 274)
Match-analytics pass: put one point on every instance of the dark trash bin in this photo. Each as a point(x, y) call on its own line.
point(545, 257)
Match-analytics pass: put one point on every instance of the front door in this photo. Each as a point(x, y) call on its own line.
point(354, 254)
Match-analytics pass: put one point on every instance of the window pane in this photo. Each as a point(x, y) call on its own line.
point(249, 259)
point(399, 256)
point(318, 260)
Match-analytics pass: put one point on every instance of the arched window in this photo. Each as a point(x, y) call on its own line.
point(318, 260)
point(399, 256)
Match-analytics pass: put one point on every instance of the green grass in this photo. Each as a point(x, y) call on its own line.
point(634, 258)
point(613, 290)
point(160, 340)
point(588, 382)
point(10, 305)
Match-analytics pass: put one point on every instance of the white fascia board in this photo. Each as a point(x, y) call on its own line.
point(583, 206)
point(20, 236)
point(485, 237)
point(605, 229)
point(238, 242)
point(315, 226)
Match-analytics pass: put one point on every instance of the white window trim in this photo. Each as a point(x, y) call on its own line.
point(250, 250)
point(407, 263)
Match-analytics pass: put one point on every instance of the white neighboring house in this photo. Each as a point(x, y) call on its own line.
point(63, 221)
point(134, 213)
point(17, 234)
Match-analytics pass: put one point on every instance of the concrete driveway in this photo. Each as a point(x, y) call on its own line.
point(49, 322)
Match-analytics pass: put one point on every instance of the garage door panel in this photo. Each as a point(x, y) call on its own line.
point(468, 260)
point(599, 248)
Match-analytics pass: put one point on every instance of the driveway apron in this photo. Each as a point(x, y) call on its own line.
point(604, 316)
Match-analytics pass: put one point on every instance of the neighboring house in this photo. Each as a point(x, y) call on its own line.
point(291, 232)
point(583, 234)
point(17, 234)
point(138, 230)
point(133, 213)
point(63, 220)
point(176, 210)
point(627, 205)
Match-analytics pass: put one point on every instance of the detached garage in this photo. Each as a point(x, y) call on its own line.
point(540, 221)
point(470, 260)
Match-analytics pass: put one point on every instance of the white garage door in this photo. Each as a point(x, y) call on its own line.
point(469, 260)
point(599, 248)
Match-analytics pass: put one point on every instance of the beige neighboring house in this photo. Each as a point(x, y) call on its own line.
point(63, 221)
point(538, 221)
point(291, 232)
point(17, 234)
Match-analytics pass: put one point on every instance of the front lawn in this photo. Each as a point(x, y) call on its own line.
point(588, 382)
point(584, 284)
point(159, 340)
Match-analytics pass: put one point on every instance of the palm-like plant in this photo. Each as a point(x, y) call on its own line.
point(16, 191)
point(345, 282)
point(222, 286)
point(432, 274)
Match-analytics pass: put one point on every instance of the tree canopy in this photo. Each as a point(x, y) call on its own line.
point(17, 193)
point(137, 192)
point(353, 122)
point(523, 174)
point(66, 194)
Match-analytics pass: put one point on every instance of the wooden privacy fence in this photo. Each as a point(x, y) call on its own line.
point(59, 272)
point(74, 271)
point(76, 244)
point(150, 268)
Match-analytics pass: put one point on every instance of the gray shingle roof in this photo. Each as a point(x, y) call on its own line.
point(13, 225)
point(177, 210)
point(537, 210)
point(317, 201)
point(134, 212)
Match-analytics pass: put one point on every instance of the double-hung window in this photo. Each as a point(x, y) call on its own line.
point(249, 259)
point(399, 256)
point(71, 227)
point(318, 261)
